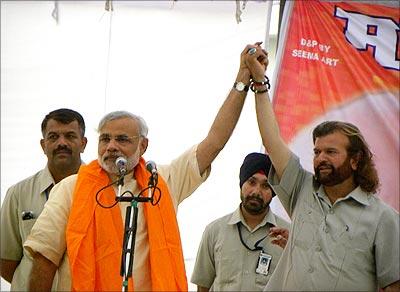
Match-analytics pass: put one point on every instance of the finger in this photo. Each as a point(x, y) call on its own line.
point(265, 62)
point(252, 51)
point(280, 243)
point(274, 229)
point(273, 233)
point(246, 49)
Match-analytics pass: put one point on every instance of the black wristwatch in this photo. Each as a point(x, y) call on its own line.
point(240, 86)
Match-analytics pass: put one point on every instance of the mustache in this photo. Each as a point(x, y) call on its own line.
point(324, 164)
point(62, 148)
point(112, 156)
point(254, 197)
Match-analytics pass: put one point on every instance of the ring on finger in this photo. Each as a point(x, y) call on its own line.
point(252, 51)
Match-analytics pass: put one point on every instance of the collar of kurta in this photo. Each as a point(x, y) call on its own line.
point(94, 235)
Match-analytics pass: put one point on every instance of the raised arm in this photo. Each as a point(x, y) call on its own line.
point(225, 121)
point(275, 146)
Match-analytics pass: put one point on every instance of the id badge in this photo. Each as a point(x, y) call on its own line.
point(264, 262)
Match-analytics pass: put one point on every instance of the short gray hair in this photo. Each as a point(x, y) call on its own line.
point(143, 129)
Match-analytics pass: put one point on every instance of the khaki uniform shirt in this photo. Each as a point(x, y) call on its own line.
point(224, 264)
point(27, 195)
point(48, 235)
point(351, 245)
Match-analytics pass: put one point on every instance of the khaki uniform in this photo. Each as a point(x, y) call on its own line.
point(27, 195)
point(224, 264)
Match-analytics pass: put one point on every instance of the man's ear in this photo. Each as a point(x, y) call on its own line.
point(83, 144)
point(143, 145)
point(355, 160)
point(42, 145)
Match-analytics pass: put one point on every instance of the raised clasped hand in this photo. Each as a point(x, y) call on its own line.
point(256, 60)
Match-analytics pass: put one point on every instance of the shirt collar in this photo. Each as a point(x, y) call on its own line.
point(360, 196)
point(46, 180)
point(357, 194)
point(237, 217)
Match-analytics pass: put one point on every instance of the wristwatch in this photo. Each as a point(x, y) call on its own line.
point(240, 86)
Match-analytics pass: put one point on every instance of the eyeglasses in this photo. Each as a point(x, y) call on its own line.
point(120, 139)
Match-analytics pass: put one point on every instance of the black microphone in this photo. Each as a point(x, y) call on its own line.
point(151, 167)
point(153, 179)
point(121, 164)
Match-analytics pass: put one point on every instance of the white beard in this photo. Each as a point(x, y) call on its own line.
point(110, 167)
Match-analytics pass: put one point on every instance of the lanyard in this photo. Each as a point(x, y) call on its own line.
point(256, 247)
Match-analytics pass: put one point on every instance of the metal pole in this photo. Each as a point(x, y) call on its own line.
point(268, 24)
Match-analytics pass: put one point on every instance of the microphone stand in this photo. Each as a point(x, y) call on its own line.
point(128, 245)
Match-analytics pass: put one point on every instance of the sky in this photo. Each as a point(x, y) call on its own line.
point(172, 62)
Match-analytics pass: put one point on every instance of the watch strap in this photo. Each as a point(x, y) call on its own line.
point(237, 85)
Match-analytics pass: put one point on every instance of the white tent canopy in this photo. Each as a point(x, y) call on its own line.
point(172, 62)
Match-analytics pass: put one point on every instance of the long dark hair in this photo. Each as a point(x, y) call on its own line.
point(366, 175)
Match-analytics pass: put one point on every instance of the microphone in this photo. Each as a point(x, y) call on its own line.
point(121, 164)
point(151, 167)
point(153, 179)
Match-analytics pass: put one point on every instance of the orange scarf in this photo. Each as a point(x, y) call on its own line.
point(94, 236)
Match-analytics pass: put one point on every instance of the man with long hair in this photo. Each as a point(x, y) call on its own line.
point(342, 236)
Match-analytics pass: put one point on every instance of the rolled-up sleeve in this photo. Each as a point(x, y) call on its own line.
point(288, 186)
point(182, 175)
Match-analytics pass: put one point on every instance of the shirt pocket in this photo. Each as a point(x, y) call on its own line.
point(261, 280)
point(228, 268)
point(306, 228)
point(358, 250)
point(26, 228)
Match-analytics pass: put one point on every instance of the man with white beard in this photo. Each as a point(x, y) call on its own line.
point(80, 231)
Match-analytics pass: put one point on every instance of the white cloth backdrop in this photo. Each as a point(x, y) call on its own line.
point(171, 62)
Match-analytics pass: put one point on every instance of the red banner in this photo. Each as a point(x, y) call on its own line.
point(340, 61)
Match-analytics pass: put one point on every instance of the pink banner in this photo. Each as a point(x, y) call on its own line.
point(340, 61)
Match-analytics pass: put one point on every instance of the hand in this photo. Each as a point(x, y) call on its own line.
point(244, 72)
point(257, 62)
point(280, 236)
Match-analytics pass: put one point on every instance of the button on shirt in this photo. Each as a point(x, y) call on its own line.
point(29, 195)
point(350, 245)
point(224, 264)
point(48, 236)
